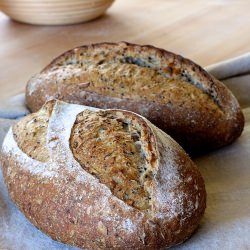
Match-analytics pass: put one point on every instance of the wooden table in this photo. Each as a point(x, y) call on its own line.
point(204, 31)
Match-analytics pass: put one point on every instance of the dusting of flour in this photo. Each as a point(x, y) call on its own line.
point(17, 233)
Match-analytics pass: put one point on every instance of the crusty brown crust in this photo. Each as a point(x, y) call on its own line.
point(72, 206)
point(195, 125)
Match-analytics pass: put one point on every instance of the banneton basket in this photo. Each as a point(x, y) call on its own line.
point(54, 12)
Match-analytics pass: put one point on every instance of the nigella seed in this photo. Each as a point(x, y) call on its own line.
point(100, 62)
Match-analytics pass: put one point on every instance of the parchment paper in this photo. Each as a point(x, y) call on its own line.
point(226, 224)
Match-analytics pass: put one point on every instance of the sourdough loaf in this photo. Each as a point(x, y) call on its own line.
point(174, 93)
point(102, 179)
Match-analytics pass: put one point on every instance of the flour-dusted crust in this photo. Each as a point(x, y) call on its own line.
point(67, 202)
point(172, 92)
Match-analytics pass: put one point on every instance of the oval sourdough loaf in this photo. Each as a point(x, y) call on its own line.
point(174, 93)
point(104, 179)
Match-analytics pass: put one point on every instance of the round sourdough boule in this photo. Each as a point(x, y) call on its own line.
point(102, 179)
point(174, 93)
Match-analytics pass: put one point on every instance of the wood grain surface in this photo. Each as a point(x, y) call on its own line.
point(204, 31)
